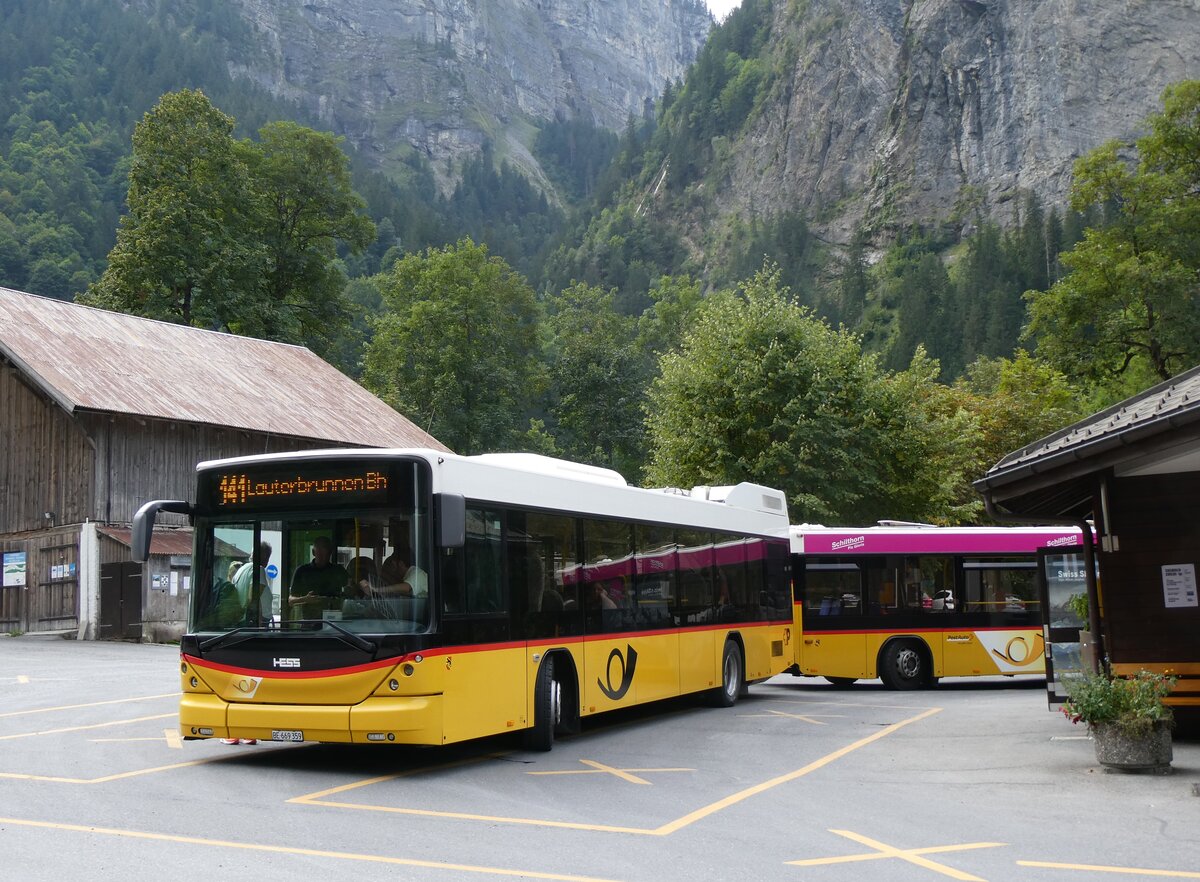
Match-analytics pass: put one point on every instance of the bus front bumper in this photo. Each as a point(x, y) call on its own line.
point(409, 719)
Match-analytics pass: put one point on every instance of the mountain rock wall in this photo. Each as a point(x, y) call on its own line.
point(439, 76)
point(904, 110)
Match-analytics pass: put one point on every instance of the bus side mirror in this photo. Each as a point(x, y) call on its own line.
point(452, 520)
point(143, 524)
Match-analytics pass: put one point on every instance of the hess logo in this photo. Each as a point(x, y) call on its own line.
point(285, 662)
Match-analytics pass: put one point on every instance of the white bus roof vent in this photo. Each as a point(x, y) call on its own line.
point(548, 465)
point(752, 497)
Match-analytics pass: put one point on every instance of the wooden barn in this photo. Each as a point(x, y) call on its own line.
point(100, 412)
point(1134, 472)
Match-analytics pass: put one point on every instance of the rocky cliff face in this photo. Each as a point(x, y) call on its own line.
point(901, 110)
point(441, 75)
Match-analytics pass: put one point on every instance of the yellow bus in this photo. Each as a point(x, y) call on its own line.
point(910, 603)
point(418, 597)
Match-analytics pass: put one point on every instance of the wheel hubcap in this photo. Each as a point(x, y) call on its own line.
point(908, 664)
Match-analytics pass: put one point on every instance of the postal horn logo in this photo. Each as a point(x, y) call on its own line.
point(625, 677)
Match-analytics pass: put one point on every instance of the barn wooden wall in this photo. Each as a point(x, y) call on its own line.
point(49, 599)
point(1157, 522)
point(45, 461)
point(138, 460)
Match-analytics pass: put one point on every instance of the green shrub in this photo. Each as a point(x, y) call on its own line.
point(1134, 704)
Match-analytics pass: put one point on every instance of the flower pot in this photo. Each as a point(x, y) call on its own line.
point(1117, 748)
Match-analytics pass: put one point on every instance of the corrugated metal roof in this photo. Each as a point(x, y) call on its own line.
point(1171, 404)
point(92, 359)
point(173, 542)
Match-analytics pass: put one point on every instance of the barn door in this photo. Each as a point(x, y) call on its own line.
point(121, 601)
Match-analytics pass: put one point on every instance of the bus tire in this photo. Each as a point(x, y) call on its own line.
point(841, 682)
point(904, 665)
point(547, 707)
point(726, 695)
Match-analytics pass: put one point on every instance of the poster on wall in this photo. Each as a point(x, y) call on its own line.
point(1179, 585)
point(14, 569)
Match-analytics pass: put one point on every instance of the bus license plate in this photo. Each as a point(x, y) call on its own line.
point(287, 735)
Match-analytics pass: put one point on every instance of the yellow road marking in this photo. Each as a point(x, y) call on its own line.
point(735, 798)
point(912, 855)
point(1129, 871)
point(304, 852)
point(665, 830)
point(171, 736)
point(601, 769)
point(815, 722)
point(115, 777)
point(47, 710)
point(85, 728)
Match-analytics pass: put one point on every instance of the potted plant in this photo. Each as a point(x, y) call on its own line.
point(1129, 724)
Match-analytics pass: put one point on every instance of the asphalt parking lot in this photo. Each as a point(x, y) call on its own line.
point(973, 780)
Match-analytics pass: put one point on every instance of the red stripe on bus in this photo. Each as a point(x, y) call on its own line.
point(439, 651)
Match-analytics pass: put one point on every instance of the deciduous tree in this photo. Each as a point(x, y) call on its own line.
point(763, 391)
point(456, 347)
point(1131, 295)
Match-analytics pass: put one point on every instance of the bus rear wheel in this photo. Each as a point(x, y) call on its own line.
point(731, 676)
point(547, 709)
point(904, 666)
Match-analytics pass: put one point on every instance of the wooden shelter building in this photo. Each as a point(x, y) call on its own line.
point(101, 412)
point(1133, 470)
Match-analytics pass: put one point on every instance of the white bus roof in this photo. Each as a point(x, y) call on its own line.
point(928, 539)
point(542, 482)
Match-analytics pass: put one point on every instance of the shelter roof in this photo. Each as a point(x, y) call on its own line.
point(90, 359)
point(1154, 432)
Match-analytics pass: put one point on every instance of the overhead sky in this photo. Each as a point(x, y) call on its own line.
point(720, 8)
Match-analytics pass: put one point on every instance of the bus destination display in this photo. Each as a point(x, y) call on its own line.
point(268, 489)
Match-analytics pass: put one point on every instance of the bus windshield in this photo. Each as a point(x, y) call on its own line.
point(366, 569)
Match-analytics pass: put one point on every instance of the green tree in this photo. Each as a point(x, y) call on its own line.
point(763, 391)
point(598, 376)
point(456, 347)
point(187, 251)
point(307, 207)
point(1131, 295)
point(1016, 401)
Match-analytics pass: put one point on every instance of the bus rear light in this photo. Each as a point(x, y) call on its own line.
point(194, 682)
point(203, 731)
point(379, 736)
point(393, 685)
point(408, 670)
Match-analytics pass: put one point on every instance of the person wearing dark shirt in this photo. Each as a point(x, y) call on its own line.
point(319, 584)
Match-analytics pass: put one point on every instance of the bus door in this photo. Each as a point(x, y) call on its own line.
point(833, 642)
point(1061, 576)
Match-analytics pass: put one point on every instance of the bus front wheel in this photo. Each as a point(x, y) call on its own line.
point(547, 709)
point(904, 666)
point(731, 676)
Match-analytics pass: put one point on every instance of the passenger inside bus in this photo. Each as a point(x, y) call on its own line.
point(319, 584)
point(399, 576)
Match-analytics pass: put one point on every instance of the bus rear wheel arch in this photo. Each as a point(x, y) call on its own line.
point(905, 663)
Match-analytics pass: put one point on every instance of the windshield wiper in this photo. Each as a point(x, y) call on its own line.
point(245, 632)
point(214, 642)
point(342, 634)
